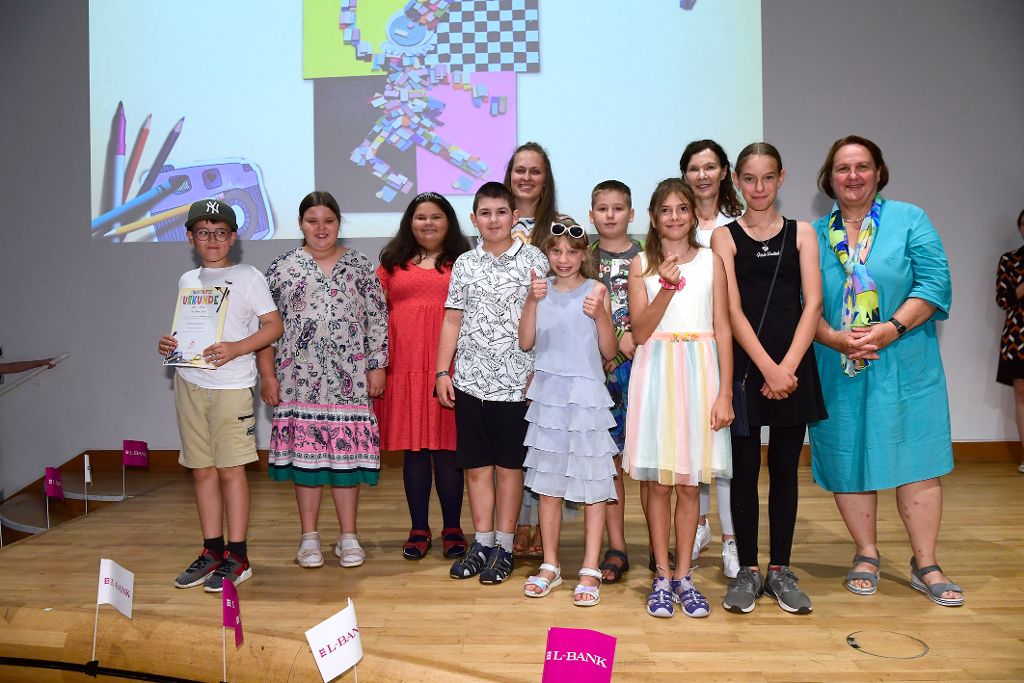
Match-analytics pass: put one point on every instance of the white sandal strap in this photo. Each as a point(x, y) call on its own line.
point(557, 571)
point(592, 573)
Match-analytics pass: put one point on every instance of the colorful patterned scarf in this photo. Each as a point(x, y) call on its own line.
point(860, 294)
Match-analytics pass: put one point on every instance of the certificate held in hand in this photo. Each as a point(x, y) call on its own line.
point(198, 323)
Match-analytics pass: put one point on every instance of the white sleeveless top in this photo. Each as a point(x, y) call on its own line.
point(692, 308)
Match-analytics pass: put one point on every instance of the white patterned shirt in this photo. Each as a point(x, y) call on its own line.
point(490, 292)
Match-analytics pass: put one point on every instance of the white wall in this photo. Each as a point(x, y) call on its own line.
point(936, 83)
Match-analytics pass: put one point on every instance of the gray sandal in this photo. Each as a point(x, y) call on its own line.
point(870, 577)
point(934, 591)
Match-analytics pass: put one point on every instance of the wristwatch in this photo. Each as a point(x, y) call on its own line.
point(443, 373)
point(901, 329)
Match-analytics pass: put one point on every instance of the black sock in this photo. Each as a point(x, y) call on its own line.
point(238, 549)
point(215, 546)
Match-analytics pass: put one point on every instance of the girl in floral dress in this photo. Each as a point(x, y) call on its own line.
point(329, 365)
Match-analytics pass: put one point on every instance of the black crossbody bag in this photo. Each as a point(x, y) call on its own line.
point(741, 424)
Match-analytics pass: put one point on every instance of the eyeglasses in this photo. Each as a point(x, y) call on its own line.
point(575, 231)
point(219, 235)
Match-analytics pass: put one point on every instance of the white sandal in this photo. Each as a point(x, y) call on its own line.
point(545, 585)
point(582, 590)
point(348, 550)
point(309, 551)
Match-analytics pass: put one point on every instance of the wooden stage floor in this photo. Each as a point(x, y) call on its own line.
point(419, 625)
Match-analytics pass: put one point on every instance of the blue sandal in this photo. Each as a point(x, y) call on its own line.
point(659, 602)
point(689, 598)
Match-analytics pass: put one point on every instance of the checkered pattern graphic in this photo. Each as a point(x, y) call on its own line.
point(490, 35)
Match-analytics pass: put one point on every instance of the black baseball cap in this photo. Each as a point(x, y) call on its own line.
point(211, 210)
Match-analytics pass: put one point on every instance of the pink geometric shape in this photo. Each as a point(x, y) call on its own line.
point(474, 130)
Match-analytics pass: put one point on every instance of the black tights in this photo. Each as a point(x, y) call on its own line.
point(784, 445)
point(416, 473)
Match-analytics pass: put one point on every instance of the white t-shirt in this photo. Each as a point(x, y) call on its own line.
point(248, 299)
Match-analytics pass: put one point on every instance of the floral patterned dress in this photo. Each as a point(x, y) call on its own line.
point(335, 330)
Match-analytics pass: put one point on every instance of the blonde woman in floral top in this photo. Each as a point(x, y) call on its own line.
point(323, 375)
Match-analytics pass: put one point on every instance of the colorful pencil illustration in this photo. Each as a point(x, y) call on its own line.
point(161, 157)
point(132, 208)
point(133, 160)
point(150, 220)
point(117, 191)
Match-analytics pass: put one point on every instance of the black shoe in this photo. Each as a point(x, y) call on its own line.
point(472, 563)
point(499, 566)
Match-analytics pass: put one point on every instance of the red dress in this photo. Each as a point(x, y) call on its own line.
point(409, 415)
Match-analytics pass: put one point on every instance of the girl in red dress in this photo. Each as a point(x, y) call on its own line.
point(415, 267)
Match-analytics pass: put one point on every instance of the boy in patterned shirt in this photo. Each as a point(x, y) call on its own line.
point(481, 331)
point(611, 212)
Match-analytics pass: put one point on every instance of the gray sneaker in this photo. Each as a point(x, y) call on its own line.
point(783, 585)
point(744, 591)
point(197, 572)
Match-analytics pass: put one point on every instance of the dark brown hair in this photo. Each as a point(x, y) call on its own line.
point(652, 245)
point(547, 203)
point(494, 190)
point(403, 247)
point(728, 200)
point(319, 198)
point(825, 173)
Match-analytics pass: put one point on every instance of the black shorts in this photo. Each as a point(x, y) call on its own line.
point(489, 432)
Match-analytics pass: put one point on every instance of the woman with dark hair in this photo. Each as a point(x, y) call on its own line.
point(528, 176)
point(415, 269)
point(885, 283)
point(329, 365)
point(705, 167)
point(1010, 298)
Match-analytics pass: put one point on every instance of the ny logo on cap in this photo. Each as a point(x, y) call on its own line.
point(213, 207)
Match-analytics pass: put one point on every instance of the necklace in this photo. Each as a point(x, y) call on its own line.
point(764, 242)
point(854, 220)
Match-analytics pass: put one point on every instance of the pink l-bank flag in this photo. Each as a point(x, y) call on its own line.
point(53, 485)
point(135, 453)
point(336, 644)
point(232, 611)
point(117, 587)
point(578, 655)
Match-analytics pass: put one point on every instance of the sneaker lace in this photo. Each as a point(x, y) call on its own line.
point(744, 581)
point(200, 562)
point(787, 581)
point(227, 567)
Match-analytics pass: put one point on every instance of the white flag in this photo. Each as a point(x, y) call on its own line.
point(336, 643)
point(117, 586)
point(88, 471)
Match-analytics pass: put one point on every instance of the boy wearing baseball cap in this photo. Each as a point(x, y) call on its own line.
point(215, 412)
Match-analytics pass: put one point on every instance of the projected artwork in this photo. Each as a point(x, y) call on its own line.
point(378, 100)
point(445, 99)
